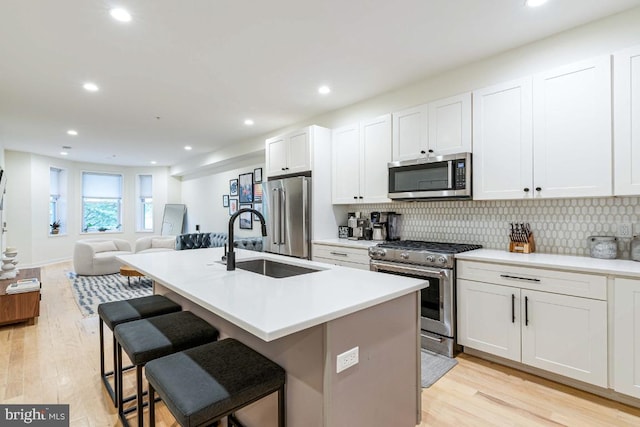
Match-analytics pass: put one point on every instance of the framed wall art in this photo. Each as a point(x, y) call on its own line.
point(233, 187)
point(245, 218)
point(233, 206)
point(246, 188)
point(257, 175)
point(258, 207)
point(257, 193)
point(225, 200)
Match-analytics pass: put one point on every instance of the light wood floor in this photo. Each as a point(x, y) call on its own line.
point(56, 361)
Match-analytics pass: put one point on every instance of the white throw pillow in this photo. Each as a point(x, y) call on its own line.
point(107, 246)
point(160, 242)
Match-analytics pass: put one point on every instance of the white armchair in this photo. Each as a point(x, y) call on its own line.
point(93, 257)
point(155, 244)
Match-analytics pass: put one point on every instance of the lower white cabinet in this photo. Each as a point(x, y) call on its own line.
point(355, 257)
point(626, 328)
point(564, 334)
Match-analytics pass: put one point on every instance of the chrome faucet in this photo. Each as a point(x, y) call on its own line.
point(231, 255)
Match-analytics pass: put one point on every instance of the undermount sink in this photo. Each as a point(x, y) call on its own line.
point(275, 269)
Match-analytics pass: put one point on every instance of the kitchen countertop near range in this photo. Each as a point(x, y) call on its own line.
point(614, 267)
point(358, 244)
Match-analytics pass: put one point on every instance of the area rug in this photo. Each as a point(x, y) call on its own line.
point(434, 366)
point(89, 291)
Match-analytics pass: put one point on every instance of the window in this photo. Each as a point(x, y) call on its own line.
point(101, 202)
point(57, 200)
point(144, 208)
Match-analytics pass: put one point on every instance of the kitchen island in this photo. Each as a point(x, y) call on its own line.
point(303, 323)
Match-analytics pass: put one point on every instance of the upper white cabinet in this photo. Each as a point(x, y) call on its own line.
point(361, 153)
point(503, 141)
point(572, 130)
point(626, 308)
point(289, 153)
point(438, 128)
point(626, 119)
point(545, 137)
point(450, 125)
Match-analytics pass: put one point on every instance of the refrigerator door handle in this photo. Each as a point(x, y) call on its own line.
point(283, 210)
point(275, 222)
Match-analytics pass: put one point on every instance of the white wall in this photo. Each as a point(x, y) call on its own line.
point(27, 205)
point(202, 194)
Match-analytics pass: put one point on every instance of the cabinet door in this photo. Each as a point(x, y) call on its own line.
point(276, 156)
point(626, 121)
point(503, 141)
point(566, 335)
point(299, 155)
point(572, 130)
point(489, 318)
point(375, 146)
point(450, 125)
point(410, 135)
point(345, 148)
point(626, 311)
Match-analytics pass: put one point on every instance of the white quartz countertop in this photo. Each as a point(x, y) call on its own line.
point(615, 267)
point(358, 244)
point(266, 307)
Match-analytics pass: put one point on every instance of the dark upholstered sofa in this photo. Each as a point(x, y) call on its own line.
point(214, 240)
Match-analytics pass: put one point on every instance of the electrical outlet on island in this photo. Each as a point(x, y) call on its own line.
point(347, 359)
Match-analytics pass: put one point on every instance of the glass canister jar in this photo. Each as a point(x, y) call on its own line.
point(604, 247)
point(635, 248)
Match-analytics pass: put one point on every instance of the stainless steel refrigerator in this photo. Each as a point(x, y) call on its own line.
point(287, 202)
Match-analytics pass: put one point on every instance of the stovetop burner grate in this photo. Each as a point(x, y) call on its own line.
point(417, 245)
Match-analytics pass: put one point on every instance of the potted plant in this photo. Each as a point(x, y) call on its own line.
point(55, 227)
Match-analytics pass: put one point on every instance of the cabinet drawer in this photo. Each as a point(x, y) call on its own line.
point(560, 282)
point(342, 254)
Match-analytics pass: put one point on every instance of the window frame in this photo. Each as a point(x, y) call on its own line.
point(86, 229)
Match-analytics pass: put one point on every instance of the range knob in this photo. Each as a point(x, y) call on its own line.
point(430, 258)
point(404, 255)
point(381, 252)
point(442, 260)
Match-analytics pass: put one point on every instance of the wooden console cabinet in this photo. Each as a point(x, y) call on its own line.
point(22, 307)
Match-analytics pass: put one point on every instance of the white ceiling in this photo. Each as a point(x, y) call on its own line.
point(203, 66)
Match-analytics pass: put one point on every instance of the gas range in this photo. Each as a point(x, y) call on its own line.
point(428, 254)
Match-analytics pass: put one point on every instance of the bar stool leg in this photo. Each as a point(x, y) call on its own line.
point(116, 369)
point(281, 413)
point(101, 347)
point(139, 395)
point(152, 406)
point(118, 375)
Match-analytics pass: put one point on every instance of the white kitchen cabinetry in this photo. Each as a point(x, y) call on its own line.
point(552, 320)
point(545, 137)
point(450, 125)
point(355, 257)
point(361, 153)
point(626, 308)
point(289, 153)
point(439, 128)
point(626, 121)
point(503, 141)
point(572, 130)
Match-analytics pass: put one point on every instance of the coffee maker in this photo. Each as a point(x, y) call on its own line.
point(379, 225)
point(357, 226)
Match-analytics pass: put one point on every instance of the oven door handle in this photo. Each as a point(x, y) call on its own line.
point(404, 268)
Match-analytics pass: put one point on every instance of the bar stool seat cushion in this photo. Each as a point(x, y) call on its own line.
point(147, 339)
point(208, 382)
point(117, 312)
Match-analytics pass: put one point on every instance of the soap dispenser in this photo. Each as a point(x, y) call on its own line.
point(635, 248)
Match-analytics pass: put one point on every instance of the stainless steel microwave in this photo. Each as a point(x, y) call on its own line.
point(447, 177)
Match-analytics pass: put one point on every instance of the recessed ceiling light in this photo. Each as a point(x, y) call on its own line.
point(248, 122)
point(187, 147)
point(72, 132)
point(323, 90)
point(120, 14)
point(153, 162)
point(535, 3)
point(91, 87)
point(63, 153)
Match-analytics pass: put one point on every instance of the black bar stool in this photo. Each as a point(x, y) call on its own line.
point(147, 339)
point(204, 384)
point(114, 313)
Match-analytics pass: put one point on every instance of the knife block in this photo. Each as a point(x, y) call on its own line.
point(523, 247)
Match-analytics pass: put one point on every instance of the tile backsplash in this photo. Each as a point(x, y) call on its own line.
point(560, 226)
